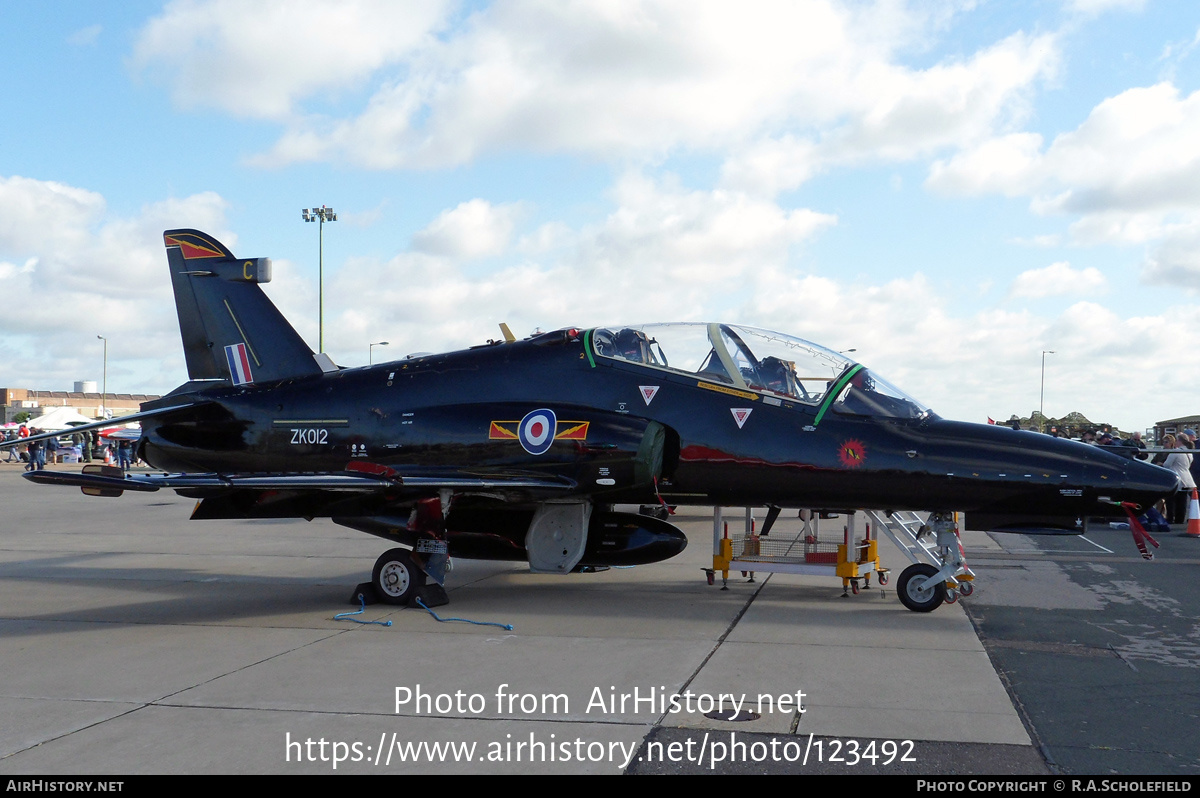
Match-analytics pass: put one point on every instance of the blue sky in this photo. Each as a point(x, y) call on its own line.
point(950, 187)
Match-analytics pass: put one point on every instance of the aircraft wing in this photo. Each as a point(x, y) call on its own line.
point(108, 478)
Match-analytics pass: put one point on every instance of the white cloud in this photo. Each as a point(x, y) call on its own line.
point(1058, 279)
point(697, 251)
point(1130, 171)
point(1006, 165)
point(970, 366)
point(474, 229)
point(69, 271)
point(788, 85)
point(1130, 174)
point(258, 59)
point(1176, 261)
point(39, 213)
point(1136, 152)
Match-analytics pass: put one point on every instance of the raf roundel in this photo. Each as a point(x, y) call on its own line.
point(536, 431)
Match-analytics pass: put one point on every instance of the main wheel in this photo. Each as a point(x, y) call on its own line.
point(915, 590)
point(396, 577)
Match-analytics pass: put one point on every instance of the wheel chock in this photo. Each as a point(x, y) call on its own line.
point(432, 594)
point(367, 591)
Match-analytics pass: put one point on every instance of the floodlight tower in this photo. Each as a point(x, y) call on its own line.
point(321, 216)
point(104, 389)
point(1042, 395)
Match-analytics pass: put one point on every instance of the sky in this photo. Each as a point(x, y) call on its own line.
point(950, 188)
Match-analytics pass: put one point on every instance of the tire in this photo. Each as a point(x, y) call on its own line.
point(396, 577)
point(655, 511)
point(912, 590)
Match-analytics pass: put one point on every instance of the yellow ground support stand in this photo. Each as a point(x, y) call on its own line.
point(802, 552)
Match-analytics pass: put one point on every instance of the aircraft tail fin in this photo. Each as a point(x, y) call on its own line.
point(231, 330)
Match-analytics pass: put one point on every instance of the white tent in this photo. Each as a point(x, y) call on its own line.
point(59, 418)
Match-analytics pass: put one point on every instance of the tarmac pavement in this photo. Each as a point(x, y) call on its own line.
point(133, 640)
point(1100, 648)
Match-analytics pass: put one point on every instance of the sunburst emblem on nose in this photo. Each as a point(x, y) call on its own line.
point(852, 453)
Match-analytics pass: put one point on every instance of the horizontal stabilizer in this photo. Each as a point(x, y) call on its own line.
point(108, 422)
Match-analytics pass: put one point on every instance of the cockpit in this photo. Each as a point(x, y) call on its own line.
point(762, 361)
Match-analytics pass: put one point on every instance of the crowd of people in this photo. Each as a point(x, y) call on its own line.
point(1185, 465)
point(85, 447)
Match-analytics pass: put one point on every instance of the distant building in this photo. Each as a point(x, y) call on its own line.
point(1175, 425)
point(90, 404)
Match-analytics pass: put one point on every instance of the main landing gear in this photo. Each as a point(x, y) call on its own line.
point(396, 578)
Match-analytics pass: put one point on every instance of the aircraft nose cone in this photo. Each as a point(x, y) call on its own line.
point(1151, 481)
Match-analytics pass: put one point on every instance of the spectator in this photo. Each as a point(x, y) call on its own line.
point(1168, 442)
point(37, 455)
point(1180, 461)
point(1135, 442)
point(13, 457)
point(123, 456)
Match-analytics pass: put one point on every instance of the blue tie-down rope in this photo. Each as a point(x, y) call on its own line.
point(421, 604)
point(362, 602)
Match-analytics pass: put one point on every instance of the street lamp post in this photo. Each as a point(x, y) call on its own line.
point(1042, 393)
point(321, 216)
point(104, 384)
point(371, 351)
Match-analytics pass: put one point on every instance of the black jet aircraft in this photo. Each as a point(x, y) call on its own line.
point(519, 450)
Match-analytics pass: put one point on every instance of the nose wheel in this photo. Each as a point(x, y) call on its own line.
point(916, 589)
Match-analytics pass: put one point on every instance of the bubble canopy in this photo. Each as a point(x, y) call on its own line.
point(752, 359)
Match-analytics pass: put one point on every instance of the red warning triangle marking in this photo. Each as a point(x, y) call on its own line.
point(648, 392)
point(740, 414)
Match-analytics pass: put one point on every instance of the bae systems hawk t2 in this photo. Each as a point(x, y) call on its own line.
point(519, 450)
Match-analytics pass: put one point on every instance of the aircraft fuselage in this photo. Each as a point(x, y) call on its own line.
point(717, 444)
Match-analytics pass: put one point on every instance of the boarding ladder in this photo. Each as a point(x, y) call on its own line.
point(934, 541)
